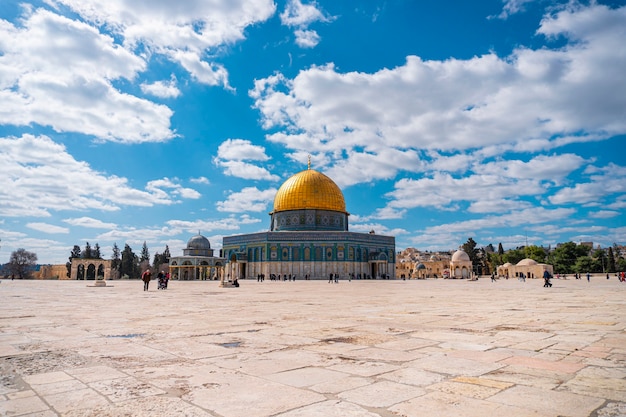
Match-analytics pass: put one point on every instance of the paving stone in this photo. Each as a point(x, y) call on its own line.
point(95, 373)
point(253, 395)
point(445, 404)
point(466, 390)
point(83, 399)
point(455, 366)
point(412, 375)
point(304, 377)
point(549, 403)
point(557, 366)
point(21, 406)
point(330, 409)
point(339, 385)
point(381, 394)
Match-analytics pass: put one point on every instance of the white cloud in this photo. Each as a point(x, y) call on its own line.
point(442, 190)
point(47, 228)
point(501, 205)
point(604, 214)
point(229, 223)
point(157, 187)
point(47, 177)
point(185, 31)
point(300, 16)
point(90, 223)
point(37, 85)
point(248, 199)
point(532, 100)
point(307, 38)
point(241, 150)
point(512, 7)
point(200, 180)
point(604, 182)
point(377, 228)
point(162, 89)
point(446, 236)
point(232, 154)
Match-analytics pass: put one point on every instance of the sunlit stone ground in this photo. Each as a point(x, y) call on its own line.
point(309, 348)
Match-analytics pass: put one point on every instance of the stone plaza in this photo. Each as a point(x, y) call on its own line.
point(363, 348)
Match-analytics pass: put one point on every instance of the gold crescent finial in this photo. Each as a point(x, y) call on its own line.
point(309, 163)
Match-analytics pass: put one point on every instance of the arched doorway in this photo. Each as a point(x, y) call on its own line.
point(91, 272)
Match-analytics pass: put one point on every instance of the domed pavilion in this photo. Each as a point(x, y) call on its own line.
point(527, 267)
point(309, 238)
point(460, 265)
point(197, 262)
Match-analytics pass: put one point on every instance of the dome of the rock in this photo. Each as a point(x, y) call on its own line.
point(309, 189)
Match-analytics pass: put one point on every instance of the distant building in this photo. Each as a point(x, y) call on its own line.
point(197, 262)
point(529, 267)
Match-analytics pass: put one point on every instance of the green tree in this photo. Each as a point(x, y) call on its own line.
point(129, 263)
point(583, 264)
point(21, 263)
point(75, 253)
point(145, 255)
point(87, 252)
point(513, 256)
point(96, 252)
point(161, 258)
point(116, 260)
point(536, 253)
point(610, 259)
point(469, 247)
point(564, 257)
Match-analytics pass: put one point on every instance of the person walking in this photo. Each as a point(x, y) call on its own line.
point(546, 279)
point(588, 276)
point(146, 277)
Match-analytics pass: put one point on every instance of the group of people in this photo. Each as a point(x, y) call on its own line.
point(162, 279)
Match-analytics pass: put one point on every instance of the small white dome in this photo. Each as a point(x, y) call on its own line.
point(460, 256)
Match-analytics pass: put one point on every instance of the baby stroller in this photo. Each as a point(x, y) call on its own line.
point(162, 281)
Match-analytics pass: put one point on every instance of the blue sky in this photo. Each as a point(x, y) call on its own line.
point(131, 121)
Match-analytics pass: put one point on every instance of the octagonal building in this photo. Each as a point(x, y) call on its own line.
point(309, 238)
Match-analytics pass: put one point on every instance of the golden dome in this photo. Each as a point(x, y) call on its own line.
point(309, 189)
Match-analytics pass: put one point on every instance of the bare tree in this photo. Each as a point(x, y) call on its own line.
point(22, 263)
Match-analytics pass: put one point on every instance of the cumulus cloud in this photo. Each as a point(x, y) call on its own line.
point(157, 187)
point(46, 177)
point(443, 191)
point(184, 31)
point(530, 101)
point(162, 89)
point(111, 44)
point(37, 85)
point(233, 154)
point(300, 16)
point(601, 183)
point(248, 199)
